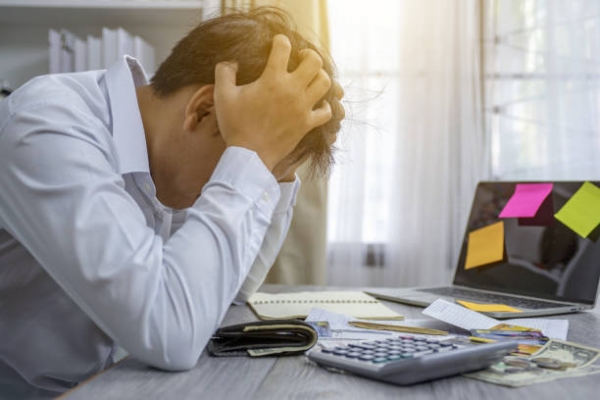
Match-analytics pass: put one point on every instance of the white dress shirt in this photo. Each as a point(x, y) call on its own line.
point(90, 259)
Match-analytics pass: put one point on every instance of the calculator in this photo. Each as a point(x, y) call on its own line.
point(406, 360)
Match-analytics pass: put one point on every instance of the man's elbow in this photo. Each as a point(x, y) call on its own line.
point(177, 360)
point(181, 354)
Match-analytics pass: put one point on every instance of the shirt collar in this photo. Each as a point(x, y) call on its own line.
point(127, 128)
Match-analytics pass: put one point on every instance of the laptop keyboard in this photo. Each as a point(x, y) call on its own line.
point(491, 298)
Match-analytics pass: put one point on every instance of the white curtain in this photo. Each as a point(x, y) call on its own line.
point(413, 148)
point(543, 88)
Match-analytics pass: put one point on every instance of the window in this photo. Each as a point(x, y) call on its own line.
point(542, 88)
point(363, 45)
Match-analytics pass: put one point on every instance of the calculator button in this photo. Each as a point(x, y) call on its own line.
point(353, 355)
point(366, 357)
point(340, 352)
point(365, 346)
point(379, 360)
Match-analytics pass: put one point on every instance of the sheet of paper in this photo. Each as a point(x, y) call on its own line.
point(526, 200)
point(458, 315)
point(581, 213)
point(488, 307)
point(553, 328)
point(486, 245)
point(462, 317)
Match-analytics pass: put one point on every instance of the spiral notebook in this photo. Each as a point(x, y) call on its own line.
point(297, 305)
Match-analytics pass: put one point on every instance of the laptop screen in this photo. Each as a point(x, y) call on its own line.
point(536, 239)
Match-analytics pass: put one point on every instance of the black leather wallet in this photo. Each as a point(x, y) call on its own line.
point(263, 338)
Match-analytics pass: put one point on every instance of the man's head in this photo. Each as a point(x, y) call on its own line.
point(246, 38)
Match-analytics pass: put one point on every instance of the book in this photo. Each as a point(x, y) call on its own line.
point(80, 55)
point(110, 51)
point(297, 305)
point(67, 51)
point(53, 51)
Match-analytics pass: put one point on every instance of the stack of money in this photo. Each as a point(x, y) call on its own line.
point(555, 360)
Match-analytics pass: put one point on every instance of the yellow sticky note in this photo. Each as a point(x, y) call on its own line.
point(582, 212)
point(486, 245)
point(487, 307)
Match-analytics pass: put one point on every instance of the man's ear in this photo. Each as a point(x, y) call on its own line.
point(198, 106)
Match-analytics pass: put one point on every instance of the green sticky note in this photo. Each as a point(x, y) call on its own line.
point(581, 212)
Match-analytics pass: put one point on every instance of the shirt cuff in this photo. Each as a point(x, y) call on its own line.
point(289, 192)
point(244, 170)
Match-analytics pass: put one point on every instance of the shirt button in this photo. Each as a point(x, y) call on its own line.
point(266, 197)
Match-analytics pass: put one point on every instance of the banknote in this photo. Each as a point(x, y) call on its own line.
point(556, 360)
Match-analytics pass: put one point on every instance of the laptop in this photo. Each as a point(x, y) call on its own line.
point(532, 246)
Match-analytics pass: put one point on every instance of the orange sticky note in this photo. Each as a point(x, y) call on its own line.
point(487, 307)
point(486, 245)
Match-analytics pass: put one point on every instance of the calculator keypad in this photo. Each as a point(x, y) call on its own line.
point(391, 349)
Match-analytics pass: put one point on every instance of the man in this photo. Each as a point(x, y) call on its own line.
point(133, 214)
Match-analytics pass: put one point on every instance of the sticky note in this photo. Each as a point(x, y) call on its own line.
point(486, 245)
point(581, 213)
point(487, 307)
point(526, 200)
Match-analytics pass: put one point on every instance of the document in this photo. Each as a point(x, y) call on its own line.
point(464, 318)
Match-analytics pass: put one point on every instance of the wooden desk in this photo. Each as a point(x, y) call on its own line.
point(297, 377)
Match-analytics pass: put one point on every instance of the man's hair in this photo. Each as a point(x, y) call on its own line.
point(246, 38)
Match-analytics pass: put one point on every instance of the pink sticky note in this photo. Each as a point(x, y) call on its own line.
point(526, 200)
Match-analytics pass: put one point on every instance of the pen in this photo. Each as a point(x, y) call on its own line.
point(396, 328)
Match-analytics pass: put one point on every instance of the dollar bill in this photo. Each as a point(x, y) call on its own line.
point(556, 360)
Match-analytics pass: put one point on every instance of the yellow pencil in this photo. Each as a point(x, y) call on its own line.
point(396, 328)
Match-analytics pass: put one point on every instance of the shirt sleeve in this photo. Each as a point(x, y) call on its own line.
point(63, 199)
point(273, 241)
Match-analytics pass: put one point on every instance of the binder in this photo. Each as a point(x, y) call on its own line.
point(110, 51)
point(124, 43)
point(67, 51)
point(94, 53)
point(80, 55)
point(145, 54)
point(54, 51)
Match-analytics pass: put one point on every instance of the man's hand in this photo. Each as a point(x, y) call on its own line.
point(272, 114)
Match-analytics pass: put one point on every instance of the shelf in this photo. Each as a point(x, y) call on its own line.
point(24, 26)
point(133, 4)
point(93, 12)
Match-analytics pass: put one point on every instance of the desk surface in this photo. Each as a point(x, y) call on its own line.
point(297, 377)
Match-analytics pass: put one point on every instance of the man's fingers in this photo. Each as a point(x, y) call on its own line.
point(279, 56)
point(309, 67)
point(225, 77)
point(318, 87)
point(338, 92)
point(319, 116)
